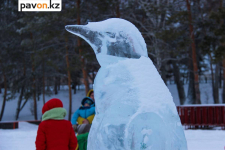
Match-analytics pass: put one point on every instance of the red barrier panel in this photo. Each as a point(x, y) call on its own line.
point(9, 125)
point(192, 116)
point(202, 116)
point(15, 125)
point(205, 115)
point(186, 116)
point(198, 116)
point(210, 115)
point(223, 117)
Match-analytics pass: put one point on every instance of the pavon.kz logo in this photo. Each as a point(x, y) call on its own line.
point(39, 5)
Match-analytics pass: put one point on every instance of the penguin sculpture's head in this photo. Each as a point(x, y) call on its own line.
point(112, 37)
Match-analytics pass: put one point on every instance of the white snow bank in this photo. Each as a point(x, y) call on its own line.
point(19, 139)
point(24, 138)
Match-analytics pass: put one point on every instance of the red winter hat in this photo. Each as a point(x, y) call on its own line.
point(52, 103)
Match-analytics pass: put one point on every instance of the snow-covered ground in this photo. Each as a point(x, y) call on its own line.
point(205, 139)
point(24, 138)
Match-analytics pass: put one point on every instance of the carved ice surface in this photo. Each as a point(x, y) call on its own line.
point(134, 108)
point(114, 37)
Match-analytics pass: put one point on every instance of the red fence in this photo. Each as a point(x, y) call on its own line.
point(191, 116)
point(202, 116)
point(15, 125)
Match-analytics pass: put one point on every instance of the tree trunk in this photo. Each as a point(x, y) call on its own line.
point(48, 84)
point(34, 84)
point(194, 59)
point(223, 79)
point(21, 94)
point(43, 80)
point(212, 75)
point(191, 88)
point(223, 37)
point(5, 96)
point(38, 88)
point(216, 85)
point(34, 91)
point(221, 4)
point(69, 81)
point(19, 103)
point(59, 83)
point(220, 75)
point(55, 86)
point(163, 74)
point(178, 81)
point(117, 9)
point(83, 66)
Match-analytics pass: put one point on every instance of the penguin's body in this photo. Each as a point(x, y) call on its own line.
point(134, 108)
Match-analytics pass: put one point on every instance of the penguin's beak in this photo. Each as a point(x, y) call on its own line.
point(92, 37)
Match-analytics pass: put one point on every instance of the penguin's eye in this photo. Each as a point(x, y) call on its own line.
point(110, 34)
point(101, 35)
point(122, 34)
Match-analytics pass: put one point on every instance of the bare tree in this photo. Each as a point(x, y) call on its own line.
point(223, 44)
point(5, 93)
point(83, 65)
point(223, 80)
point(194, 58)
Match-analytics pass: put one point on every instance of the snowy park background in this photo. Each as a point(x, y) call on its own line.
point(25, 114)
point(24, 137)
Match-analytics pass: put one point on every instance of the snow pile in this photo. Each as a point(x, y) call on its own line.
point(19, 139)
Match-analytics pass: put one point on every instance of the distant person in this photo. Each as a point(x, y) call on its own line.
point(55, 133)
point(83, 117)
point(91, 94)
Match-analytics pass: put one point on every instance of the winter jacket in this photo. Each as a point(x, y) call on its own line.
point(83, 112)
point(55, 133)
point(90, 119)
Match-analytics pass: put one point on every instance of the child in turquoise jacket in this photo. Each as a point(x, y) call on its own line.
point(87, 109)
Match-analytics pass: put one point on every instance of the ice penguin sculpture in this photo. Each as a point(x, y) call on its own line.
point(134, 108)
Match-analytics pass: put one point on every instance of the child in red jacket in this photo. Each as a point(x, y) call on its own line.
point(55, 133)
